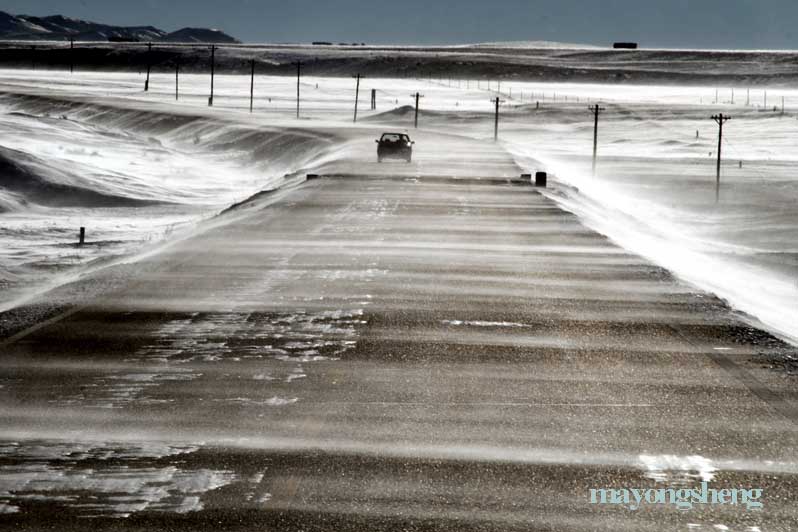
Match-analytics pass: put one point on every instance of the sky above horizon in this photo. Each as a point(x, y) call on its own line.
point(765, 24)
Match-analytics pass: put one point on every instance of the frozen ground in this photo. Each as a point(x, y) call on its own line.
point(528, 61)
point(654, 192)
point(392, 347)
point(425, 346)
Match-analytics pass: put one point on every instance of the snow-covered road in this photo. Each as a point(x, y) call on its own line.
point(654, 193)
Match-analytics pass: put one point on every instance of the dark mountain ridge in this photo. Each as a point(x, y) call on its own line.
point(59, 27)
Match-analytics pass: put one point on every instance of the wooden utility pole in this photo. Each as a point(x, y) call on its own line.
point(497, 101)
point(415, 121)
point(213, 68)
point(72, 55)
point(373, 99)
point(596, 109)
point(720, 119)
point(298, 74)
point(252, 85)
point(149, 64)
point(357, 94)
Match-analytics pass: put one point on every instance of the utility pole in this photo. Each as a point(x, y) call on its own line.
point(149, 64)
point(71, 55)
point(213, 68)
point(497, 101)
point(373, 99)
point(252, 85)
point(596, 109)
point(417, 96)
point(298, 74)
point(720, 119)
point(357, 94)
point(177, 78)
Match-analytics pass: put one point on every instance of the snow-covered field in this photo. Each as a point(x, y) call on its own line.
point(94, 150)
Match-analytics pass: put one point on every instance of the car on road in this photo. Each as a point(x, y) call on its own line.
point(394, 146)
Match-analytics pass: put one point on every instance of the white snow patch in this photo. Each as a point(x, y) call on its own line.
point(478, 323)
point(674, 469)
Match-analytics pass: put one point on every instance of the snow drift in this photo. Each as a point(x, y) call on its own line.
point(132, 175)
point(28, 179)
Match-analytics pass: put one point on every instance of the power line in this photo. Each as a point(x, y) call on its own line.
point(149, 65)
point(213, 68)
point(720, 119)
point(252, 85)
point(298, 73)
point(497, 101)
point(596, 109)
point(357, 94)
point(416, 96)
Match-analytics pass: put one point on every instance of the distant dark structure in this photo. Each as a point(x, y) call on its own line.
point(625, 45)
point(322, 43)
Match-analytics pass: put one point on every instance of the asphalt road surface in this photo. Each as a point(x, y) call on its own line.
point(434, 346)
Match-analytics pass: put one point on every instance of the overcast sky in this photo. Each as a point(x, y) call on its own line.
point(666, 23)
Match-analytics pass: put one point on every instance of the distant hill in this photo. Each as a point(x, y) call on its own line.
point(59, 27)
point(198, 35)
point(536, 45)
